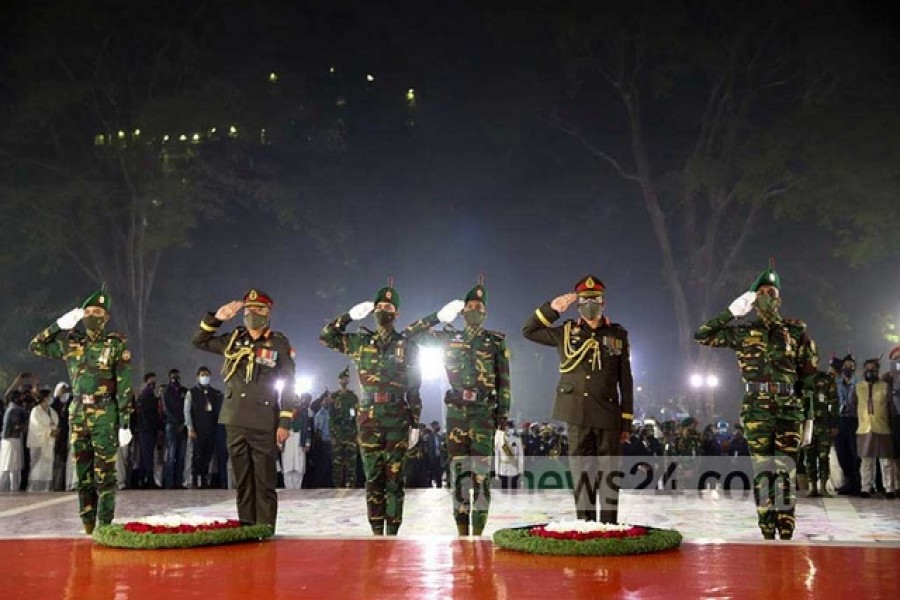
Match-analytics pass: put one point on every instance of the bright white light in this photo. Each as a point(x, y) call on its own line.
point(137, 132)
point(370, 78)
point(696, 380)
point(182, 138)
point(121, 135)
point(273, 77)
point(196, 137)
point(431, 361)
point(166, 138)
point(712, 381)
point(639, 389)
point(303, 385)
point(279, 385)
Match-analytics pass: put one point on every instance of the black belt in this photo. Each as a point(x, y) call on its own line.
point(770, 387)
point(379, 398)
point(90, 399)
point(467, 396)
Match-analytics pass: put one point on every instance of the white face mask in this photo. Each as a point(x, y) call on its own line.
point(65, 396)
point(510, 432)
point(204, 380)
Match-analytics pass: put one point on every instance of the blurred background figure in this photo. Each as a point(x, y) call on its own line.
point(11, 446)
point(62, 466)
point(293, 454)
point(511, 463)
point(43, 427)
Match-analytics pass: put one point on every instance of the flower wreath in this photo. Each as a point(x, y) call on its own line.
point(178, 532)
point(587, 538)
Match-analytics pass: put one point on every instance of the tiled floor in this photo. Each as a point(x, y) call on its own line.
point(706, 518)
point(843, 548)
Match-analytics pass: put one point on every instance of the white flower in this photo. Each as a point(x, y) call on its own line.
point(176, 520)
point(585, 527)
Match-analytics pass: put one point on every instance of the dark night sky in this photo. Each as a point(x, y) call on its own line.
point(482, 184)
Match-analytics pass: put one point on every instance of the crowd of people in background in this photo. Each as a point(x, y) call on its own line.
point(178, 443)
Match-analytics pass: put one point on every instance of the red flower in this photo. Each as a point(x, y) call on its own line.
point(540, 531)
point(136, 527)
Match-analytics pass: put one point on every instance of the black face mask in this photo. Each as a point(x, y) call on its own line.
point(872, 376)
point(384, 318)
point(255, 321)
point(848, 372)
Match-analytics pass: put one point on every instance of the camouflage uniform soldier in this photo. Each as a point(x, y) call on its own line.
point(478, 402)
point(256, 413)
point(342, 427)
point(390, 405)
point(824, 402)
point(99, 366)
point(595, 394)
point(776, 356)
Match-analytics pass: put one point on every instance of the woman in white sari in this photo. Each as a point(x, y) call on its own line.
point(43, 426)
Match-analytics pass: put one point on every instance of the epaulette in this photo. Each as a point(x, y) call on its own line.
point(116, 336)
point(497, 334)
point(796, 323)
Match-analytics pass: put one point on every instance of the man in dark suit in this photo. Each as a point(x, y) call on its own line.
point(595, 395)
point(259, 368)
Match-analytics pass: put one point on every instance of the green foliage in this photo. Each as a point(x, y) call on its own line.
point(520, 540)
point(116, 537)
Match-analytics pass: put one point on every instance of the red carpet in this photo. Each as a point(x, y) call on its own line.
point(316, 568)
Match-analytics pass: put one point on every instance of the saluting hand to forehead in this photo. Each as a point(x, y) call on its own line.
point(228, 311)
point(561, 303)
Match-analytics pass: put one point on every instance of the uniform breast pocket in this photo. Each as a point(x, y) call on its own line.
point(485, 360)
point(565, 388)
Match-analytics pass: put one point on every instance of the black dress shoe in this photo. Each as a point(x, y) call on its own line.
point(865, 495)
point(890, 496)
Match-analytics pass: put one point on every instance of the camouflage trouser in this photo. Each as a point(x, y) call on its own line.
point(95, 444)
point(816, 456)
point(383, 441)
point(773, 427)
point(470, 446)
point(343, 455)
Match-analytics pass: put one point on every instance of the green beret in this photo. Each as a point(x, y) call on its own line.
point(388, 294)
point(99, 298)
point(767, 277)
point(344, 373)
point(477, 293)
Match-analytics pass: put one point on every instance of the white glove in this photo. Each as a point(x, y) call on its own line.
point(450, 311)
point(124, 437)
point(413, 436)
point(499, 439)
point(70, 319)
point(743, 304)
point(361, 310)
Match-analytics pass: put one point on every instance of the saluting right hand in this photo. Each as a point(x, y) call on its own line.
point(562, 303)
point(228, 311)
point(361, 310)
point(70, 319)
point(743, 304)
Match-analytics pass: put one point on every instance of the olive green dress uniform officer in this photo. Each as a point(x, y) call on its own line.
point(389, 406)
point(595, 394)
point(777, 359)
point(99, 366)
point(478, 403)
point(256, 359)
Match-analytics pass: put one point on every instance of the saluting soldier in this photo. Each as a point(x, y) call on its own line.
point(343, 405)
point(777, 359)
point(595, 394)
point(99, 365)
point(478, 401)
point(390, 406)
point(256, 412)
